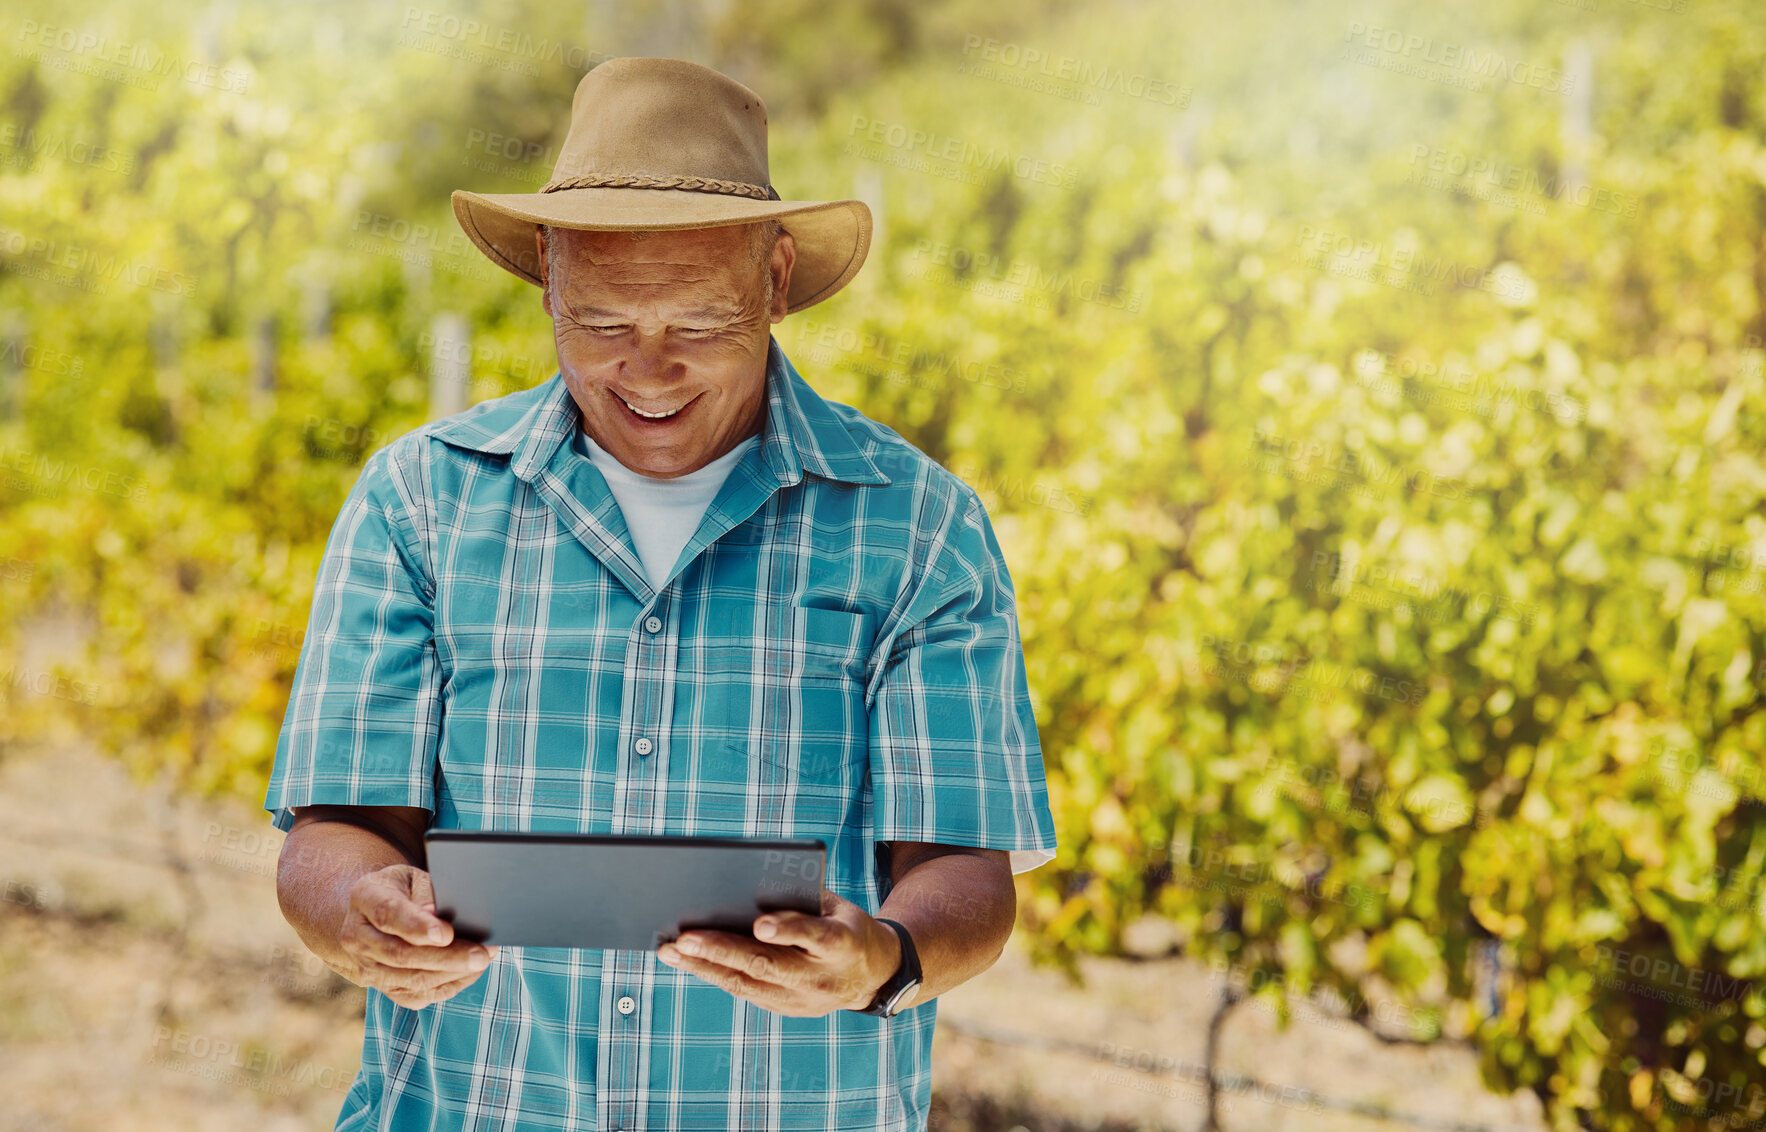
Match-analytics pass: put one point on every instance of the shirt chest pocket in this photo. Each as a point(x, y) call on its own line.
point(784, 709)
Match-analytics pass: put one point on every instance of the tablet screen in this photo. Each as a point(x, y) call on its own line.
point(612, 892)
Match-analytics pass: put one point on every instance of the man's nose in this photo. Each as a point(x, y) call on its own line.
point(649, 359)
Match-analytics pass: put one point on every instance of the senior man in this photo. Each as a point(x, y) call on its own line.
point(670, 590)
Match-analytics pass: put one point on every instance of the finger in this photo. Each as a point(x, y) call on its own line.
point(418, 999)
point(392, 981)
point(764, 994)
point(404, 980)
point(368, 942)
point(422, 890)
point(760, 962)
point(820, 936)
point(455, 986)
point(459, 958)
point(396, 913)
point(811, 991)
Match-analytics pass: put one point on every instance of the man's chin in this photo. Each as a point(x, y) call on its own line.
point(659, 461)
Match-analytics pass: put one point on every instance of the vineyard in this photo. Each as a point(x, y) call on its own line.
point(1370, 405)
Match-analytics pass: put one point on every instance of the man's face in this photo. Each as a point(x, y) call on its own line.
point(670, 323)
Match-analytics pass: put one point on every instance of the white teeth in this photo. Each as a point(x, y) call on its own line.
point(651, 416)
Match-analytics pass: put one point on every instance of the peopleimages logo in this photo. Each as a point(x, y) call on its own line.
point(1094, 78)
point(1021, 278)
point(1497, 173)
point(27, 142)
point(89, 269)
point(1456, 57)
point(1351, 467)
point(242, 1063)
point(1343, 575)
point(50, 684)
point(506, 48)
point(960, 151)
point(1271, 669)
point(901, 355)
point(29, 355)
point(1406, 267)
point(1456, 387)
point(28, 470)
point(1017, 489)
point(88, 52)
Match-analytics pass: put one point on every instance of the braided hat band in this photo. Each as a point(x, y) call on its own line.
point(644, 181)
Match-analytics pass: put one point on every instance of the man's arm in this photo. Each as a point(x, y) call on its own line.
point(352, 883)
point(957, 902)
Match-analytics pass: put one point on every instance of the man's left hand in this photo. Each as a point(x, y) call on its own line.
point(797, 964)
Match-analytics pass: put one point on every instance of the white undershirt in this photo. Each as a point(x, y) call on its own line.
point(662, 514)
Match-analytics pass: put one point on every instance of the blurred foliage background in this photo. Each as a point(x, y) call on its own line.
point(1368, 398)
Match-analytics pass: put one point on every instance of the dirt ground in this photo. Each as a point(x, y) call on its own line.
point(148, 982)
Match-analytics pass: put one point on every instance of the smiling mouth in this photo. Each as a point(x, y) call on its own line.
point(655, 416)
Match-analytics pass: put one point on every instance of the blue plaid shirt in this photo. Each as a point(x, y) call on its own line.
point(835, 655)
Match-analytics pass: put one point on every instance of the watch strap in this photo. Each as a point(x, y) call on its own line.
point(906, 972)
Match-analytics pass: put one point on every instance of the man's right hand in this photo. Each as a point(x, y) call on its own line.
point(400, 947)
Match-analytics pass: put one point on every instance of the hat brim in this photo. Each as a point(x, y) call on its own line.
point(832, 237)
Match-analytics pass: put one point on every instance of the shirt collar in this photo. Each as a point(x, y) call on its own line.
point(801, 433)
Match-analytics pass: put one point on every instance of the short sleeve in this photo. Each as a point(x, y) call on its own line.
point(955, 756)
point(364, 713)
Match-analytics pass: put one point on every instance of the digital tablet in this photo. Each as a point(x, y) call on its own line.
point(612, 892)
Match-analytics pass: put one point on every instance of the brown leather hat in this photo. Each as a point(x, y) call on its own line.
point(656, 144)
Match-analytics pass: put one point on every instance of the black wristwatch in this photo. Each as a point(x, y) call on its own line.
point(898, 987)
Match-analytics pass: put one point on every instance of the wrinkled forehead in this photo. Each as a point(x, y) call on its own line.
point(684, 260)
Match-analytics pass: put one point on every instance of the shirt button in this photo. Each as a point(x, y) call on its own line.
point(627, 1005)
point(653, 624)
point(642, 746)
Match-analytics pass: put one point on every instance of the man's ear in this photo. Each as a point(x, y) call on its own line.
point(539, 244)
point(784, 258)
